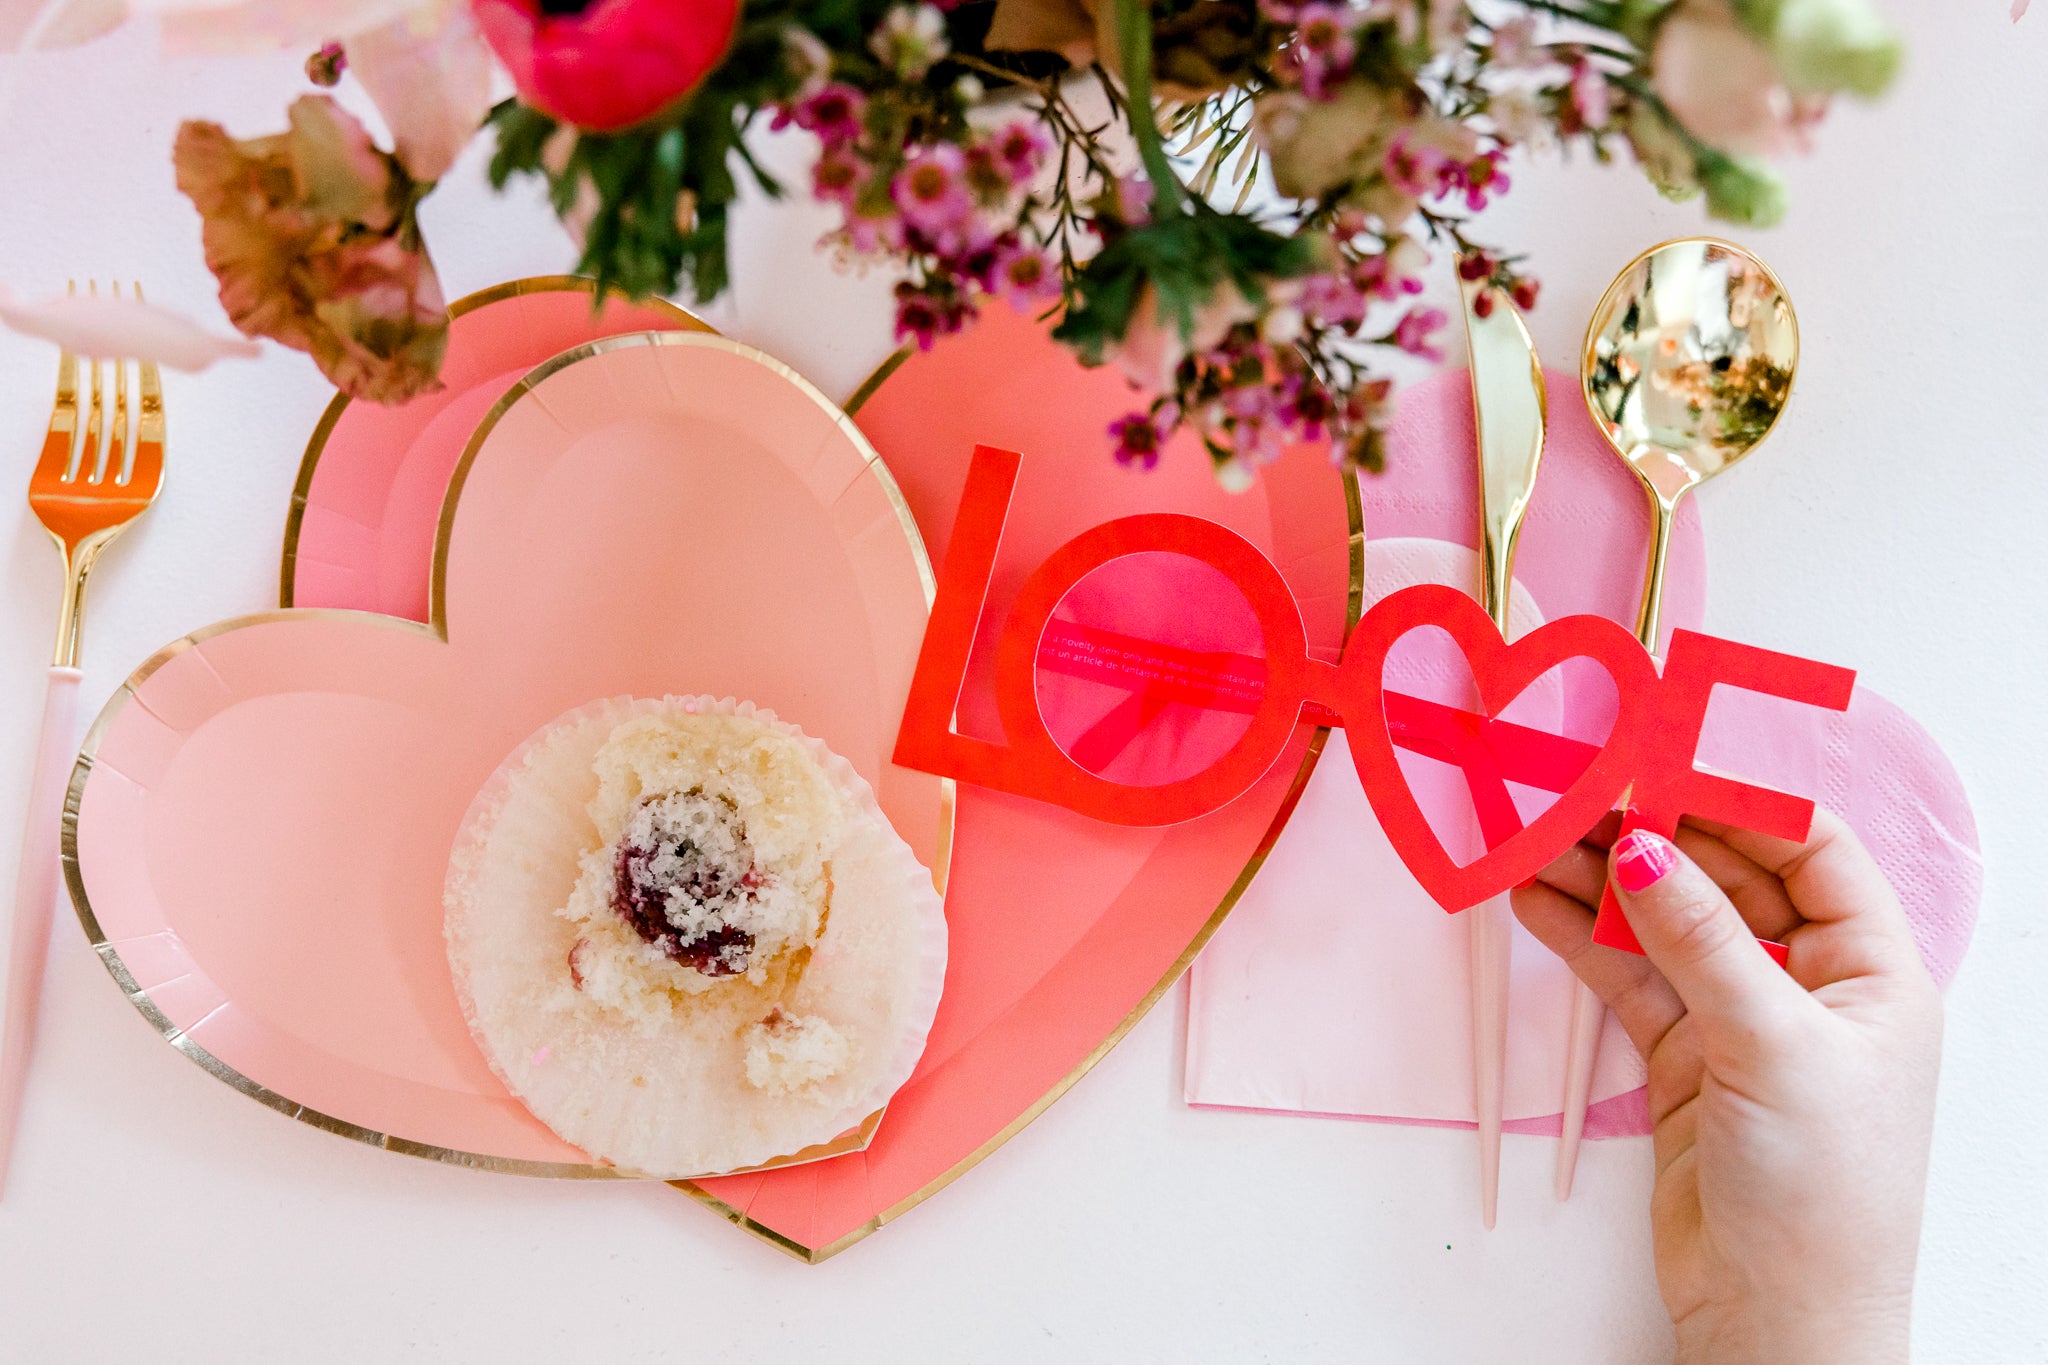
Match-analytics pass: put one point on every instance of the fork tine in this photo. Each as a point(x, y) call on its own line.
point(87, 466)
point(116, 463)
point(117, 437)
point(62, 436)
point(148, 465)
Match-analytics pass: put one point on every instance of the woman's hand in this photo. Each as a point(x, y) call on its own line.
point(1793, 1107)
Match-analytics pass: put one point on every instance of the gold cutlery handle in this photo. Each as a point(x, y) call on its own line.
point(78, 566)
point(1648, 617)
point(1497, 562)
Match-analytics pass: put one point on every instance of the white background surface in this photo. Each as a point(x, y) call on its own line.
point(1893, 524)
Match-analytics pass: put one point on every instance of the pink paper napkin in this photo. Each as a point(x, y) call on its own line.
point(1337, 988)
point(1406, 1057)
point(1876, 768)
point(1377, 978)
point(1336, 943)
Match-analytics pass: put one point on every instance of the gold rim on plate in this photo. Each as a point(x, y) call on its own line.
point(302, 489)
point(1355, 518)
point(436, 629)
point(1354, 605)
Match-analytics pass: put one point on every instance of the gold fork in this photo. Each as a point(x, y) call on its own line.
point(84, 495)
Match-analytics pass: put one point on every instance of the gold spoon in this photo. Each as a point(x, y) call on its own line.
point(1688, 362)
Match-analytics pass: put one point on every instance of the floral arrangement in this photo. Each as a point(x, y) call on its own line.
point(1233, 200)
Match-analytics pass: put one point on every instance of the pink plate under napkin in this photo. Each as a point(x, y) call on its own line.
point(1335, 943)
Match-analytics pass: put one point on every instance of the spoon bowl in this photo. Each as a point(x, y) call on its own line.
point(1688, 363)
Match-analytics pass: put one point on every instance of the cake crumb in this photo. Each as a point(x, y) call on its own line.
point(787, 1052)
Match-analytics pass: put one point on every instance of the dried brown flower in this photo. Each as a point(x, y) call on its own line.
point(312, 236)
point(1203, 49)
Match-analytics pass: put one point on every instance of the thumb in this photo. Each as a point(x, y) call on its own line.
point(1697, 938)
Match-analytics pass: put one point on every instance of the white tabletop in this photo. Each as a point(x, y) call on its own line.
point(1892, 525)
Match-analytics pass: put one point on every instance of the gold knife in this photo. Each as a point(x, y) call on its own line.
point(1508, 414)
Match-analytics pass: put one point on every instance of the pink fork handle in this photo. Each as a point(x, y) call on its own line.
point(35, 897)
point(1589, 1015)
point(1491, 943)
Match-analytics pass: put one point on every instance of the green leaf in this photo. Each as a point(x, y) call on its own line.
point(522, 133)
point(1185, 260)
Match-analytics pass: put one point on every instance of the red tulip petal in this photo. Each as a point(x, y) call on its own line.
point(617, 63)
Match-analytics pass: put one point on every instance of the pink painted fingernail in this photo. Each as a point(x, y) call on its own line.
point(1642, 859)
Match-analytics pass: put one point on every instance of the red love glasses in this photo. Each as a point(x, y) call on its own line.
point(1647, 756)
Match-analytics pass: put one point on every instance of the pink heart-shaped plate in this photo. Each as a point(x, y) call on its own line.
point(264, 811)
point(1061, 933)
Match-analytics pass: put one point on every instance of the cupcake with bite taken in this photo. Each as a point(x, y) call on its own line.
point(687, 938)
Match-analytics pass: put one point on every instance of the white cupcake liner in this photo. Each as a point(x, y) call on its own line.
point(910, 1021)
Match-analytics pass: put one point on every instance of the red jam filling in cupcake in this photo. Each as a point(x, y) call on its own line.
point(686, 881)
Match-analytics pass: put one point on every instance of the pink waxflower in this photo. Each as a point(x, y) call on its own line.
point(1592, 103)
point(976, 263)
point(989, 177)
point(1323, 47)
point(1255, 441)
point(1022, 146)
point(866, 236)
point(1412, 169)
point(1481, 178)
point(1251, 403)
point(931, 190)
point(1406, 259)
point(1335, 299)
point(1341, 298)
point(1416, 333)
point(1361, 423)
point(1349, 223)
point(1370, 404)
point(325, 66)
point(1026, 275)
point(1138, 438)
point(1305, 406)
point(834, 114)
point(839, 176)
point(927, 314)
point(916, 316)
point(1374, 278)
